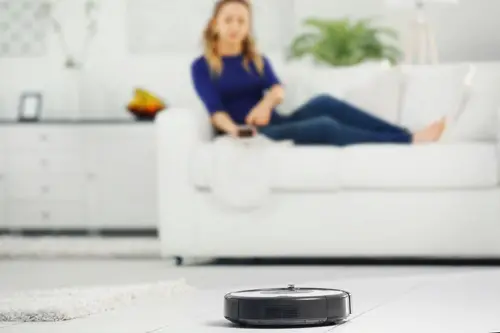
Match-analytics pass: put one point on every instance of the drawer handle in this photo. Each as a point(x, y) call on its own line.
point(45, 189)
point(43, 162)
point(45, 215)
point(44, 137)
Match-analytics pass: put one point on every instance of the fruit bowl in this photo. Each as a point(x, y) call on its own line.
point(143, 115)
point(145, 106)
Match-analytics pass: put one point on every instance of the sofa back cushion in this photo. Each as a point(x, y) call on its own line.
point(431, 92)
point(304, 81)
point(478, 121)
point(411, 95)
point(380, 95)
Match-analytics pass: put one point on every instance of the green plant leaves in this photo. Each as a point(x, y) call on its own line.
point(343, 42)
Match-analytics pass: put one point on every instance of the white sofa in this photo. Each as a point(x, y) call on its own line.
point(439, 200)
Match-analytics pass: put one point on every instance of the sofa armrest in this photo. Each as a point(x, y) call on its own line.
point(178, 133)
point(183, 124)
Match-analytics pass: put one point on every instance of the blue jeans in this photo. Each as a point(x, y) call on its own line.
point(324, 120)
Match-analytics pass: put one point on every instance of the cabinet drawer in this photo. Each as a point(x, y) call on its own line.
point(45, 214)
point(133, 186)
point(122, 135)
point(38, 161)
point(36, 137)
point(45, 186)
point(2, 146)
point(3, 161)
point(126, 160)
point(121, 214)
point(3, 205)
point(3, 218)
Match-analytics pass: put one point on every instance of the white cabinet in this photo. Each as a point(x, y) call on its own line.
point(3, 219)
point(121, 176)
point(45, 214)
point(83, 176)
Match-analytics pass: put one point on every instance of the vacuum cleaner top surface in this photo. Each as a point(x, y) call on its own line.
point(290, 306)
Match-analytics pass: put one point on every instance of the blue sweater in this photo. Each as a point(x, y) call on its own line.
point(236, 91)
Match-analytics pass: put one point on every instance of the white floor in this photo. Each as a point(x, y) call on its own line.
point(385, 299)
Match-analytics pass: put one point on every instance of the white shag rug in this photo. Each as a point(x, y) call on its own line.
point(70, 303)
point(75, 247)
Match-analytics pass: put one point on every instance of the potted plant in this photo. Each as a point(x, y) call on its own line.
point(344, 42)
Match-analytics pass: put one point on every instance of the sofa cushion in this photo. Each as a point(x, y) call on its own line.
point(433, 166)
point(303, 81)
point(368, 166)
point(379, 96)
point(478, 120)
point(292, 168)
point(432, 92)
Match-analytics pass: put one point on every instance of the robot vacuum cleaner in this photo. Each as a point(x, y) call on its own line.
point(285, 307)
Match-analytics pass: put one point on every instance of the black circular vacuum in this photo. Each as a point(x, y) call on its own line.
point(291, 306)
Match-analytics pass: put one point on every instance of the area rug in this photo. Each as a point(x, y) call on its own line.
point(70, 303)
point(78, 247)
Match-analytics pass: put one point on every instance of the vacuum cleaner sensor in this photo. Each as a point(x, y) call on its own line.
point(289, 306)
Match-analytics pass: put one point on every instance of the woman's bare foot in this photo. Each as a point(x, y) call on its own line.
point(430, 134)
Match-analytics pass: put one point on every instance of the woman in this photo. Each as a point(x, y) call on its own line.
point(239, 89)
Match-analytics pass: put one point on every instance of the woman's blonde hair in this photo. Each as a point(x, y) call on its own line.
point(210, 39)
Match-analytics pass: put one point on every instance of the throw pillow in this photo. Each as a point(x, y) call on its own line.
point(431, 92)
point(479, 119)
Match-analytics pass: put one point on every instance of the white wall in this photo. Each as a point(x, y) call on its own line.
point(467, 32)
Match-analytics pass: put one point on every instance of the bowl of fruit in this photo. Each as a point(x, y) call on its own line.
point(145, 106)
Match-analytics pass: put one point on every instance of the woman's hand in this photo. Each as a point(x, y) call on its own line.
point(260, 115)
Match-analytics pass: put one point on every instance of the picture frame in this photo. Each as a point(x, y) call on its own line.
point(30, 107)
